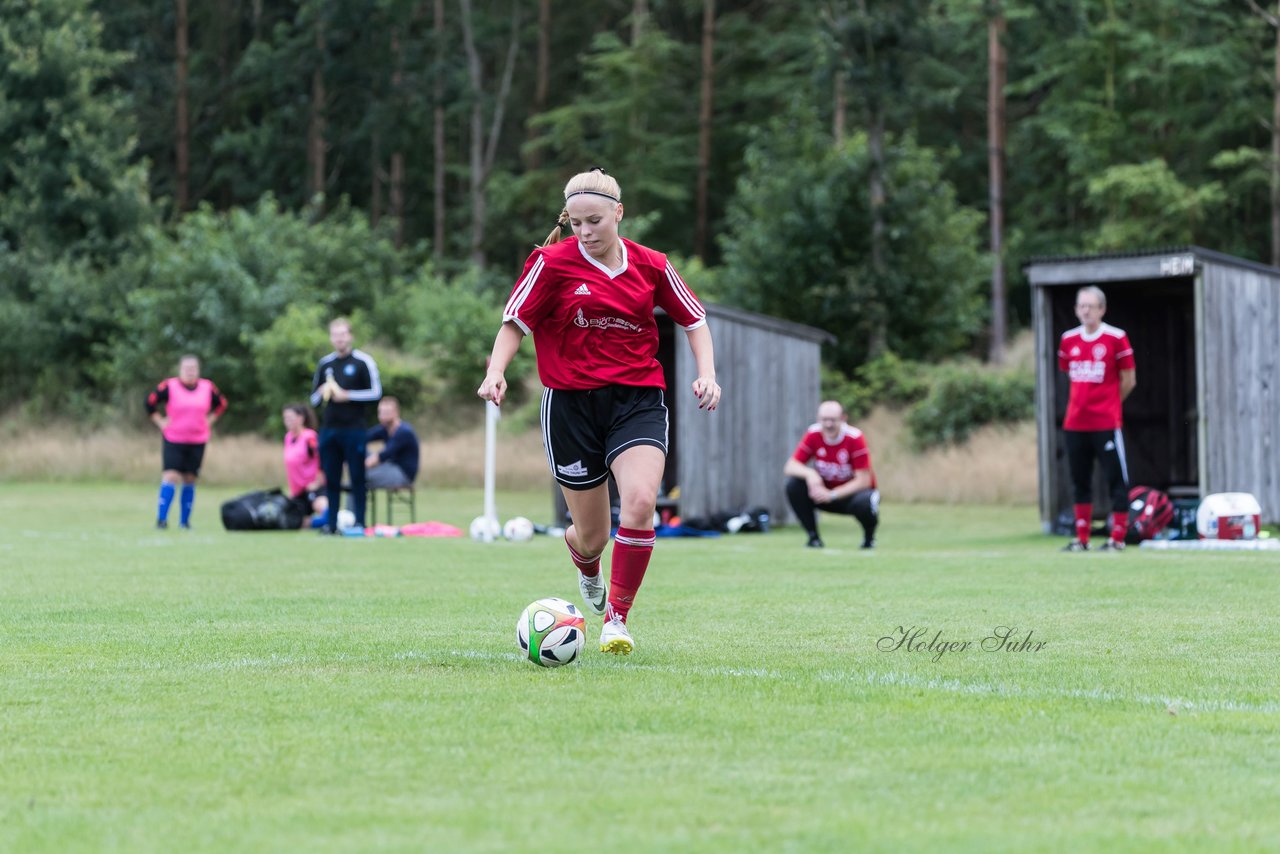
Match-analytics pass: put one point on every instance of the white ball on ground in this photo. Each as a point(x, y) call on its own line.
point(518, 530)
point(551, 632)
point(346, 519)
point(485, 529)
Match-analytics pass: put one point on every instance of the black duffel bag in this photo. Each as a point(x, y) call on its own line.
point(267, 510)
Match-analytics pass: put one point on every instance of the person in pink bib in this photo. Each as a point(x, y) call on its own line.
point(302, 464)
point(191, 406)
point(588, 301)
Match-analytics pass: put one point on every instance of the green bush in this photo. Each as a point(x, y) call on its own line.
point(798, 239)
point(836, 385)
point(284, 358)
point(456, 321)
point(250, 292)
point(961, 399)
point(885, 381)
point(404, 379)
point(894, 381)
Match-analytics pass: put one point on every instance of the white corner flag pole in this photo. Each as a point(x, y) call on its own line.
point(491, 416)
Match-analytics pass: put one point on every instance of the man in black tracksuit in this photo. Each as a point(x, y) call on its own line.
point(347, 382)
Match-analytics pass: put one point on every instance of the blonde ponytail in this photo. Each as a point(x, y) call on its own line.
point(561, 222)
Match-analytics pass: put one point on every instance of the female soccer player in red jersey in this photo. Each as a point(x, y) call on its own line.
point(588, 302)
point(191, 406)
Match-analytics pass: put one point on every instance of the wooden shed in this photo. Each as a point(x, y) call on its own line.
point(732, 458)
point(1205, 329)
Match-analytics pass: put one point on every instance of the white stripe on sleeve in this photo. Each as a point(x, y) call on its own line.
point(374, 392)
point(682, 292)
point(521, 293)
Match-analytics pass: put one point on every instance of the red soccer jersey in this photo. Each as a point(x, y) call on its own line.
point(836, 461)
point(1094, 363)
point(593, 326)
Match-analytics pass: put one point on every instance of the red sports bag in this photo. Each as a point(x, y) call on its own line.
point(1150, 512)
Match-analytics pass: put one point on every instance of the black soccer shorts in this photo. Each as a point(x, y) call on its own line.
point(182, 457)
point(584, 431)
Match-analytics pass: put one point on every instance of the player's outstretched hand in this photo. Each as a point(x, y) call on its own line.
point(708, 393)
point(493, 388)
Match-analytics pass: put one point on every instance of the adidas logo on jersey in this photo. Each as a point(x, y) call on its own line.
point(575, 468)
point(582, 291)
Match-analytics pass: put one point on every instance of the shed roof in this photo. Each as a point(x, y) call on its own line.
point(1135, 264)
point(763, 321)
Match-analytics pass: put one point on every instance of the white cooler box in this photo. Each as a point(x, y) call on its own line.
point(1229, 516)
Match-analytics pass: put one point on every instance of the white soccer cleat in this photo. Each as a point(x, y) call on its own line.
point(594, 595)
point(615, 638)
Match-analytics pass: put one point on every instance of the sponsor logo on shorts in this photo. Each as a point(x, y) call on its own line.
point(574, 469)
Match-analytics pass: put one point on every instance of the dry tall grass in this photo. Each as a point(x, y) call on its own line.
point(62, 454)
point(997, 466)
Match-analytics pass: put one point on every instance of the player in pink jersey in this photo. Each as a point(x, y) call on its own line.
point(191, 406)
point(588, 302)
point(302, 463)
point(840, 480)
point(1099, 360)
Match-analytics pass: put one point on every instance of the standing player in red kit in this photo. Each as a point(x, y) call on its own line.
point(1099, 360)
point(588, 302)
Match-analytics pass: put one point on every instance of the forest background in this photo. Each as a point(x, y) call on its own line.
point(222, 177)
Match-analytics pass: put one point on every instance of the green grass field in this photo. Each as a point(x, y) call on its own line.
point(201, 691)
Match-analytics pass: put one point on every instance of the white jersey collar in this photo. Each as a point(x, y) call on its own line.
point(612, 274)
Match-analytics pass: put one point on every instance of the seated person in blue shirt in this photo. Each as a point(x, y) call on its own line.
point(396, 465)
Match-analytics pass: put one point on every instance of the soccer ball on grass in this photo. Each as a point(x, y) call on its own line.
point(518, 530)
point(551, 632)
point(485, 529)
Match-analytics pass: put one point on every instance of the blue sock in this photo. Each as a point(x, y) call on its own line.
point(188, 498)
point(166, 498)
point(320, 519)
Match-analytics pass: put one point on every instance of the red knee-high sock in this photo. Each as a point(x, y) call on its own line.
point(587, 566)
point(632, 548)
point(1084, 519)
point(1119, 525)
